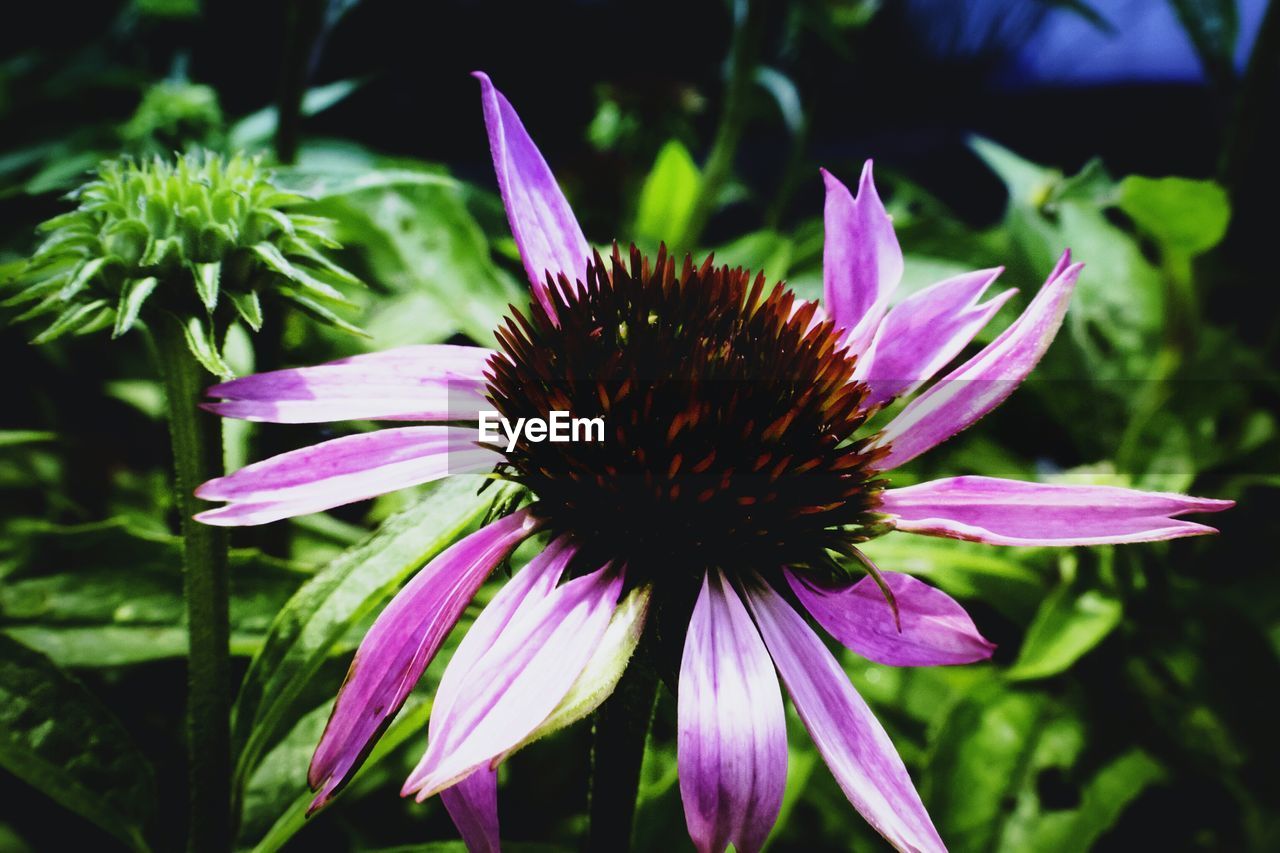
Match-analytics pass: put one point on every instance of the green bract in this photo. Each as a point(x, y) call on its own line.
point(202, 237)
point(174, 113)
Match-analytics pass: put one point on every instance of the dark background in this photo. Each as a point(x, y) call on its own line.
point(907, 84)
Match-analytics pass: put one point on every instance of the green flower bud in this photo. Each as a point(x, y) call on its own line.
point(201, 236)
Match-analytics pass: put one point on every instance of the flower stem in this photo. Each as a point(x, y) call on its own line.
point(621, 729)
point(197, 456)
point(743, 55)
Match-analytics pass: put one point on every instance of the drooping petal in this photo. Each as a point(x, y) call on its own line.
point(518, 682)
point(342, 471)
point(402, 641)
point(732, 737)
point(542, 222)
point(425, 383)
point(983, 382)
point(527, 589)
point(473, 806)
point(861, 260)
point(924, 332)
point(846, 733)
point(604, 670)
point(1011, 512)
point(935, 629)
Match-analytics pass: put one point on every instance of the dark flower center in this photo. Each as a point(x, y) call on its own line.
point(729, 420)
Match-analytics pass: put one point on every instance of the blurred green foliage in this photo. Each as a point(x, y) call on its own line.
point(1130, 696)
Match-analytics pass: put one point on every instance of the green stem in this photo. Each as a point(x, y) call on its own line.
point(744, 52)
point(621, 729)
point(303, 25)
point(197, 457)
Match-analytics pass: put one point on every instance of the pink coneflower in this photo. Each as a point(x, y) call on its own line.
point(735, 478)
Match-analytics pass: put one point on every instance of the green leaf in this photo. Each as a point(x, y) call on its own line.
point(321, 312)
point(278, 263)
point(668, 196)
point(966, 570)
point(18, 437)
point(83, 276)
point(134, 293)
point(256, 129)
point(57, 737)
point(207, 277)
point(1068, 625)
point(204, 348)
point(277, 794)
point(992, 753)
point(328, 605)
point(1102, 802)
point(982, 760)
point(418, 243)
point(1183, 215)
point(248, 306)
point(72, 320)
point(1029, 183)
point(108, 594)
point(109, 646)
point(1212, 26)
point(340, 179)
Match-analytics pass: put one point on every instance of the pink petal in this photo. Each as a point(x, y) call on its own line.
point(732, 743)
point(1010, 512)
point(342, 471)
point(983, 382)
point(846, 733)
point(402, 641)
point(861, 260)
point(542, 222)
point(935, 629)
point(529, 587)
point(473, 805)
point(439, 382)
point(518, 681)
point(924, 332)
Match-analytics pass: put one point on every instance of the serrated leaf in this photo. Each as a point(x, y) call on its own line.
point(158, 250)
point(70, 321)
point(248, 306)
point(320, 312)
point(44, 306)
point(57, 737)
point(207, 277)
point(40, 290)
point(135, 293)
point(302, 278)
point(99, 321)
point(82, 277)
point(302, 247)
point(327, 606)
point(201, 344)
